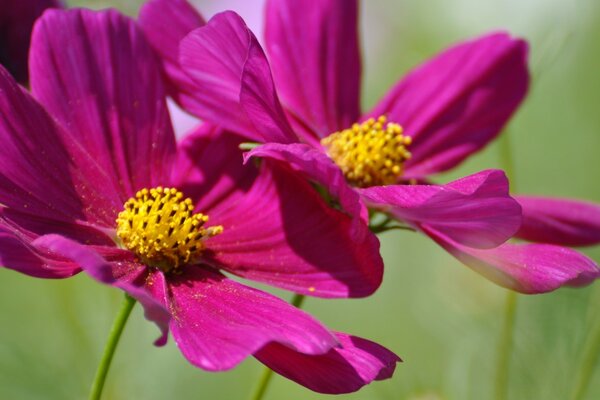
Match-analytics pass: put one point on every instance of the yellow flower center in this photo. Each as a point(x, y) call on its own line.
point(370, 154)
point(159, 226)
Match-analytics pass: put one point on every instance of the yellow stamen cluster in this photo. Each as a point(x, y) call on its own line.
point(371, 153)
point(160, 227)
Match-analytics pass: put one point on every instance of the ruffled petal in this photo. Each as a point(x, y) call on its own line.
point(218, 322)
point(318, 167)
point(99, 78)
point(346, 369)
point(165, 23)
point(282, 233)
point(525, 268)
point(124, 274)
point(313, 49)
point(209, 168)
point(18, 254)
point(16, 21)
point(456, 103)
point(233, 83)
point(42, 172)
point(475, 211)
point(566, 222)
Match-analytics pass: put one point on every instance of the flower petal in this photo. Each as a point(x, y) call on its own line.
point(218, 322)
point(120, 274)
point(346, 369)
point(313, 49)
point(209, 168)
point(42, 173)
point(233, 83)
point(475, 211)
point(165, 23)
point(566, 222)
point(17, 20)
point(318, 167)
point(98, 77)
point(282, 233)
point(525, 268)
point(456, 103)
point(18, 254)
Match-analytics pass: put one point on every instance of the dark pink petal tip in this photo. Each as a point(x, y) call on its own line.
point(100, 80)
point(16, 21)
point(314, 52)
point(232, 83)
point(18, 255)
point(475, 211)
point(456, 103)
point(101, 270)
point(566, 222)
point(165, 23)
point(218, 322)
point(526, 268)
point(344, 369)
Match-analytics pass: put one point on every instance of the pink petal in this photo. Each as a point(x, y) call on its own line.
point(42, 172)
point(566, 222)
point(16, 21)
point(165, 23)
point(346, 369)
point(18, 254)
point(98, 77)
point(282, 233)
point(456, 103)
point(122, 274)
point(313, 49)
point(318, 167)
point(233, 83)
point(525, 268)
point(218, 322)
point(209, 168)
point(475, 211)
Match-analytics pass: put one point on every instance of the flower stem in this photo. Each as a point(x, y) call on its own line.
point(265, 378)
point(588, 364)
point(111, 346)
point(505, 346)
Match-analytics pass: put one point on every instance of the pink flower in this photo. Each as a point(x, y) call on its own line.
point(430, 121)
point(89, 160)
point(16, 21)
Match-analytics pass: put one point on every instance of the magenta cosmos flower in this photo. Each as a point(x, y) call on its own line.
point(91, 179)
point(439, 114)
point(16, 22)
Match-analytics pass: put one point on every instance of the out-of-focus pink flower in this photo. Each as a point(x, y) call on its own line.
point(16, 21)
point(430, 121)
point(89, 159)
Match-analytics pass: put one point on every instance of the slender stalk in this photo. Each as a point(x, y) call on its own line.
point(110, 347)
point(267, 374)
point(505, 345)
point(588, 365)
point(506, 158)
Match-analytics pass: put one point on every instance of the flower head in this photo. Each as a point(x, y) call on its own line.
point(436, 116)
point(91, 179)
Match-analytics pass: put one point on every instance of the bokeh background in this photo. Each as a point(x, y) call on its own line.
point(443, 319)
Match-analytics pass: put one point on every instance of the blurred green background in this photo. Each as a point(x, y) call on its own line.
point(443, 319)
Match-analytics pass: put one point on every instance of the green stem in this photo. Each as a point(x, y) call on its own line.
point(111, 346)
point(505, 346)
point(267, 374)
point(588, 365)
point(506, 159)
